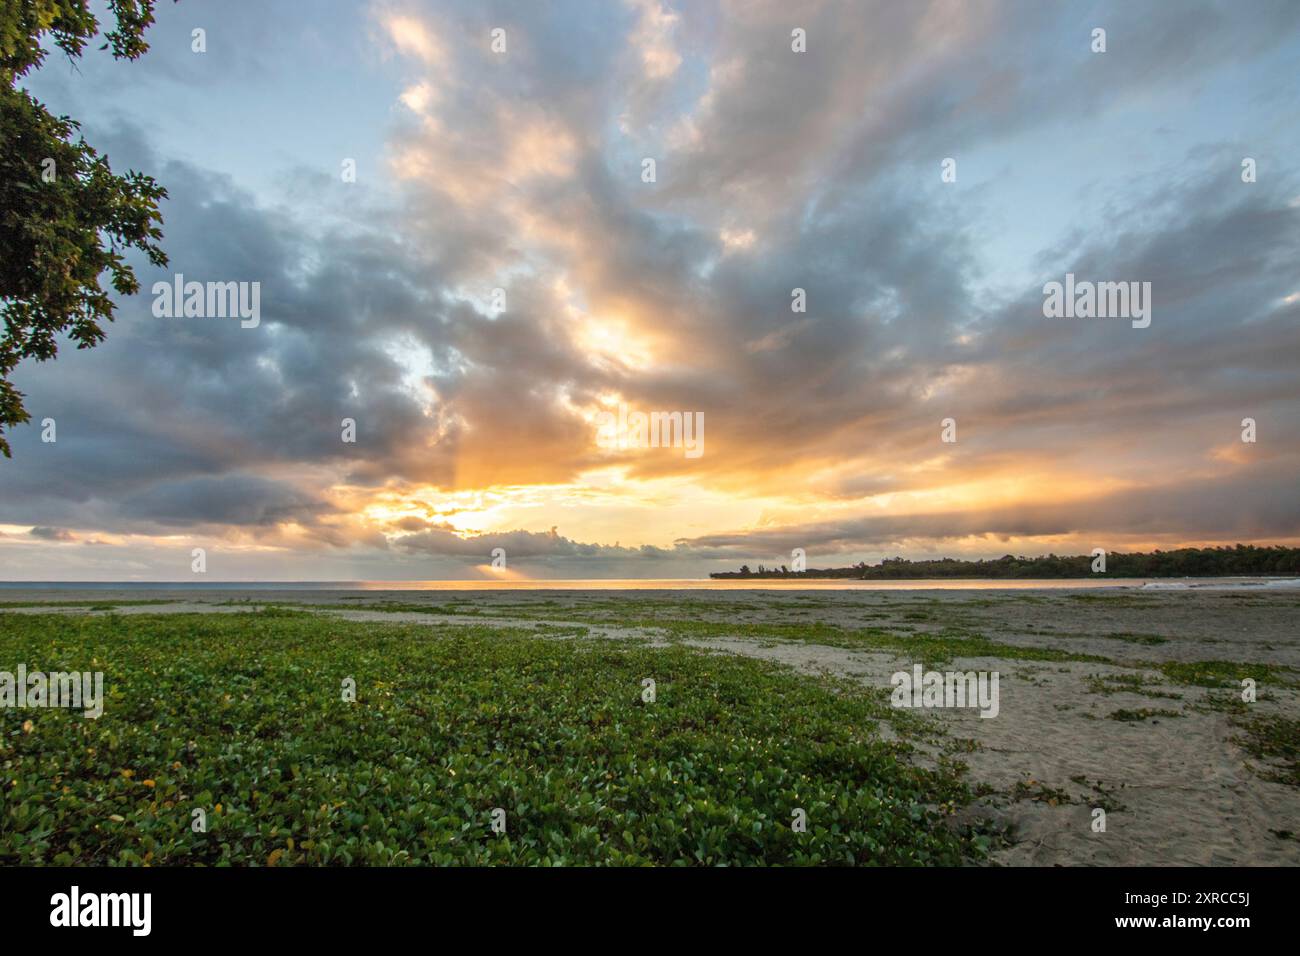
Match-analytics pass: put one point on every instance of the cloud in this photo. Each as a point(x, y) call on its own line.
point(244, 500)
point(1200, 510)
point(776, 171)
point(413, 37)
point(440, 540)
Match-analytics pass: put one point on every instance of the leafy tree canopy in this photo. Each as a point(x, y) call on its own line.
point(66, 220)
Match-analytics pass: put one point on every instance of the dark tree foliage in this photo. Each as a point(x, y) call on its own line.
point(1244, 559)
point(66, 220)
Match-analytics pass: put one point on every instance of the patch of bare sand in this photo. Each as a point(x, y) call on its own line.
point(1176, 790)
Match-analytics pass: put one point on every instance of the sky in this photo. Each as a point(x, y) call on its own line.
point(502, 269)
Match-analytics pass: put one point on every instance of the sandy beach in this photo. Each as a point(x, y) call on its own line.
point(1105, 698)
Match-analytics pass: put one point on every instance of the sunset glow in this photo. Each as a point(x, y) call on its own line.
point(504, 269)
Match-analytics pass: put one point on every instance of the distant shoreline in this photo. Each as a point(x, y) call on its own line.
point(1239, 560)
point(879, 579)
point(9, 590)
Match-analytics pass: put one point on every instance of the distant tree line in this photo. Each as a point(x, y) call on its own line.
point(1243, 559)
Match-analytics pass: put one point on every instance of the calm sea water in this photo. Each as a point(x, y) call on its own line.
point(669, 584)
